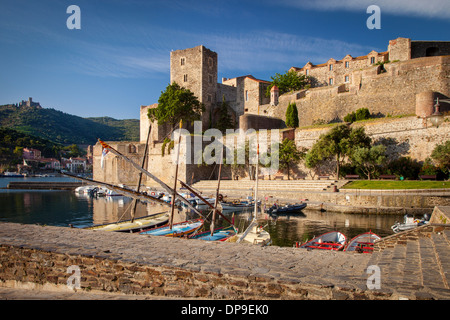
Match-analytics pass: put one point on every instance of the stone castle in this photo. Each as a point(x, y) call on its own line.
point(404, 80)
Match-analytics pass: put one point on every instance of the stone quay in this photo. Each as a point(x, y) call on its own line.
point(411, 265)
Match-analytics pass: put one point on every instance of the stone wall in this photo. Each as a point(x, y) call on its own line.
point(388, 91)
point(256, 122)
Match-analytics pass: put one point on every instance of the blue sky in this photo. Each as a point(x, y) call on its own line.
point(120, 58)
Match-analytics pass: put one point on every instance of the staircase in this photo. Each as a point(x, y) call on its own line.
point(266, 185)
point(415, 263)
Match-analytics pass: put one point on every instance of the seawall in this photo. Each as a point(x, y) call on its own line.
point(39, 257)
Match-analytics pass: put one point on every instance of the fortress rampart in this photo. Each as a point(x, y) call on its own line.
point(385, 90)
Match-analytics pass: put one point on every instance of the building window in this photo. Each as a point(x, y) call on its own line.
point(347, 64)
point(246, 95)
point(331, 67)
point(307, 72)
point(208, 98)
point(331, 81)
point(183, 61)
point(347, 79)
point(210, 77)
point(210, 61)
point(185, 78)
point(372, 60)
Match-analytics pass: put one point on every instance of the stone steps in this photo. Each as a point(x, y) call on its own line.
point(416, 265)
point(313, 185)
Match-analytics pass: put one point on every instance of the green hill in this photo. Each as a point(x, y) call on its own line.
point(65, 128)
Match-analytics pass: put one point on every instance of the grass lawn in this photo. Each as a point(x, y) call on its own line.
point(386, 184)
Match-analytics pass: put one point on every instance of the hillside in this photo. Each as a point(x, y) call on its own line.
point(65, 128)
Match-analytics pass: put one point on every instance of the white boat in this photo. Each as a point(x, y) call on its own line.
point(237, 206)
point(332, 240)
point(85, 189)
point(200, 204)
point(409, 222)
point(254, 234)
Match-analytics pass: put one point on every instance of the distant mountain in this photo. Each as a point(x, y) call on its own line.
point(65, 128)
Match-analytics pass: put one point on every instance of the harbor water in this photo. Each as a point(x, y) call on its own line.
point(66, 208)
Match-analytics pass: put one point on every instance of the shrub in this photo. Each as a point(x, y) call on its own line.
point(360, 114)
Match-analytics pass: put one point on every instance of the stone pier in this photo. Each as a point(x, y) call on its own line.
point(413, 265)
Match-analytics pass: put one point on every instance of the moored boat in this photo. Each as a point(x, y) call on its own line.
point(236, 206)
point(286, 209)
point(180, 229)
point(221, 234)
point(409, 222)
point(254, 234)
point(135, 225)
point(362, 243)
point(333, 240)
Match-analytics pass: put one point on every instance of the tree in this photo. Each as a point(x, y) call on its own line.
point(176, 103)
point(290, 81)
point(292, 115)
point(339, 142)
point(369, 158)
point(289, 155)
point(441, 154)
point(224, 120)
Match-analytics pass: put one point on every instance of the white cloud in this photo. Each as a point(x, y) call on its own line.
point(419, 8)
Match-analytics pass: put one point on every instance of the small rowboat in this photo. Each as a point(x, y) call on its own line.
point(362, 243)
point(137, 225)
point(332, 240)
point(178, 229)
point(220, 234)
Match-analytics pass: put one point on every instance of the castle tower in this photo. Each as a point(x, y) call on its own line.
point(196, 70)
point(274, 94)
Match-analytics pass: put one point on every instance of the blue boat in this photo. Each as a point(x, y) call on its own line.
point(220, 234)
point(178, 229)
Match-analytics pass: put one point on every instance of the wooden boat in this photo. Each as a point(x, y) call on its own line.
point(286, 209)
point(180, 229)
point(362, 243)
point(332, 240)
point(221, 234)
point(135, 225)
point(236, 207)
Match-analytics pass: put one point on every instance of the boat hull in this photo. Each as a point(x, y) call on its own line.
point(221, 234)
point(137, 225)
point(333, 240)
point(290, 209)
point(362, 243)
point(178, 229)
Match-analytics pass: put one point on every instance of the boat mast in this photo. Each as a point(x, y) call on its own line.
point(256, 185)
point(184, 185)
point(217, 195)
point(175, 180)
point(156, 179)
point(140, 173)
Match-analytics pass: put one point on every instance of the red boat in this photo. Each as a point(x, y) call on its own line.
point(362, 243)
point(332, 240)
